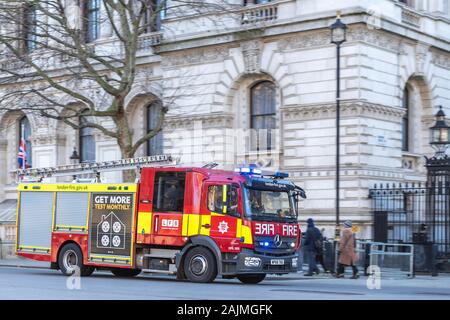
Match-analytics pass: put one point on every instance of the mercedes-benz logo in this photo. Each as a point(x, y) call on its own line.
point(277, 241)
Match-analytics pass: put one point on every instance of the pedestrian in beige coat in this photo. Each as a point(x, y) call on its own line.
point(347, 254)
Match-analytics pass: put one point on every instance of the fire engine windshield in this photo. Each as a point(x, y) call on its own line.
point(269, 205)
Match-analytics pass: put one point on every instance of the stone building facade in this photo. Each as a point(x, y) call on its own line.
point(211, 72)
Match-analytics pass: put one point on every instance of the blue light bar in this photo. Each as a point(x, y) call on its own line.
point(248, 170)
point(281, 175)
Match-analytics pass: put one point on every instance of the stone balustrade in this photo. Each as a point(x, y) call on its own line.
point(253, 15)
point(148, 40)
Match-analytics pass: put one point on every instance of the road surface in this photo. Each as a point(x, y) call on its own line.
point(28, 283)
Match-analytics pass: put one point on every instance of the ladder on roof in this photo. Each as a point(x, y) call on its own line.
point(95, 167)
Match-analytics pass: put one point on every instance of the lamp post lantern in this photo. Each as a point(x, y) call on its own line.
point(440, 134)
point(338, 37)
point(74, 158)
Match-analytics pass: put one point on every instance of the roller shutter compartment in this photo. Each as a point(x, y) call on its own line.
point(71, 211)
point(35, 220)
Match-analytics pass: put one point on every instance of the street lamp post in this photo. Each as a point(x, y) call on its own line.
point(440, 134)
point(74, 159)
point(338, 37)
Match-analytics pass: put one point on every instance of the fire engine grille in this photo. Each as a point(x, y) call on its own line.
point(271, 268)
point(269, 246)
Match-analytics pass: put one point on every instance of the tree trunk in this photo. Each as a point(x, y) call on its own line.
point(125, 142)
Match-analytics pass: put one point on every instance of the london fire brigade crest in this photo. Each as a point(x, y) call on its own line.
point(223, 227)
point(111, 232)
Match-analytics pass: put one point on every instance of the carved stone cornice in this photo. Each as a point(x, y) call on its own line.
point(47, 139)
point(195, 56)
point(220, 120)
point(355, 33)
point(348, 109)
point(441, 60)
point(378, 38)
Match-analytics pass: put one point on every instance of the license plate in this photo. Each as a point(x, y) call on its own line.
point(276, 262)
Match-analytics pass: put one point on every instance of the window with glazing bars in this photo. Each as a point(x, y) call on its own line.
point(91, 20)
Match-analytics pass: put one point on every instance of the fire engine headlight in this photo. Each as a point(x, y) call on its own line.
point(294, 262)
point(252, 262)
point(292, 244)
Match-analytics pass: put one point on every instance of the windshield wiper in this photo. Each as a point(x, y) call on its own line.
point(264, 216)
point(271, 217)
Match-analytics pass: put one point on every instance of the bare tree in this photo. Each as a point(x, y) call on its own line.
point(55, 63)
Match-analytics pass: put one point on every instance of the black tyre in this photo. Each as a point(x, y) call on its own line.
point(70, 259)
point(200, 265)
point(125, 273)
point(251, 278)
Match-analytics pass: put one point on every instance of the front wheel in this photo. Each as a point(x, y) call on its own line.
point(251, 278)
point(70, 261)
point(125, 273)
point(200, 265)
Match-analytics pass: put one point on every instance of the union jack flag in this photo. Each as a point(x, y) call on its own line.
point(22, 155)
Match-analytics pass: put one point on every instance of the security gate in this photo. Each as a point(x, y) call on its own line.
point(413, 214)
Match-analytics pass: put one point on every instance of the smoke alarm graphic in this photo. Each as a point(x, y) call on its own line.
point(111, 232)
point(223, 227)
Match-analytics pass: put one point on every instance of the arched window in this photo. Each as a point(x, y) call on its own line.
point(263, 114)
point(155, 144)
point(25, 143)
point(154, 15)
point(405, 120)
point(91, 15)
point(87, 143)
point(30, 27)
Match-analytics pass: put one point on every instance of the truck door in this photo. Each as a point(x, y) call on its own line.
point(168, 205)
point(222, 202)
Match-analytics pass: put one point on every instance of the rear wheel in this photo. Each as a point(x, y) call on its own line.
point(70, 261)
point(200, 265)
point(125, 273)
point(251, 278)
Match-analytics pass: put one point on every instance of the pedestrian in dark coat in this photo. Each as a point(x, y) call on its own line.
point(312, 238)
point(347, 254)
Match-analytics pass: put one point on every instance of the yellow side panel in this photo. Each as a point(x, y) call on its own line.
point(185, 225)
point(205, 219)
point(144, 222)
point(239, 228)
point(247, 234)
point(194, 224)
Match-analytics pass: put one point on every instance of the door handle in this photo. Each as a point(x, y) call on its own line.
point(206, 226)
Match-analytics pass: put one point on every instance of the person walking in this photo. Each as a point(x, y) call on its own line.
point(347, 254)
point(312, 242)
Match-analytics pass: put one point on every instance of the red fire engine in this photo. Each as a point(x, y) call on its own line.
point(196, 223)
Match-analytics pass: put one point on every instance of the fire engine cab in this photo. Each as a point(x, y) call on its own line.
point(196, 223)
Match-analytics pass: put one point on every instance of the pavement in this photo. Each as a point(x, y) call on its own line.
point(27, 279)
point(20, 262)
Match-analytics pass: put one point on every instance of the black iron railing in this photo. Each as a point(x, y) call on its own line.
point(413, 213)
